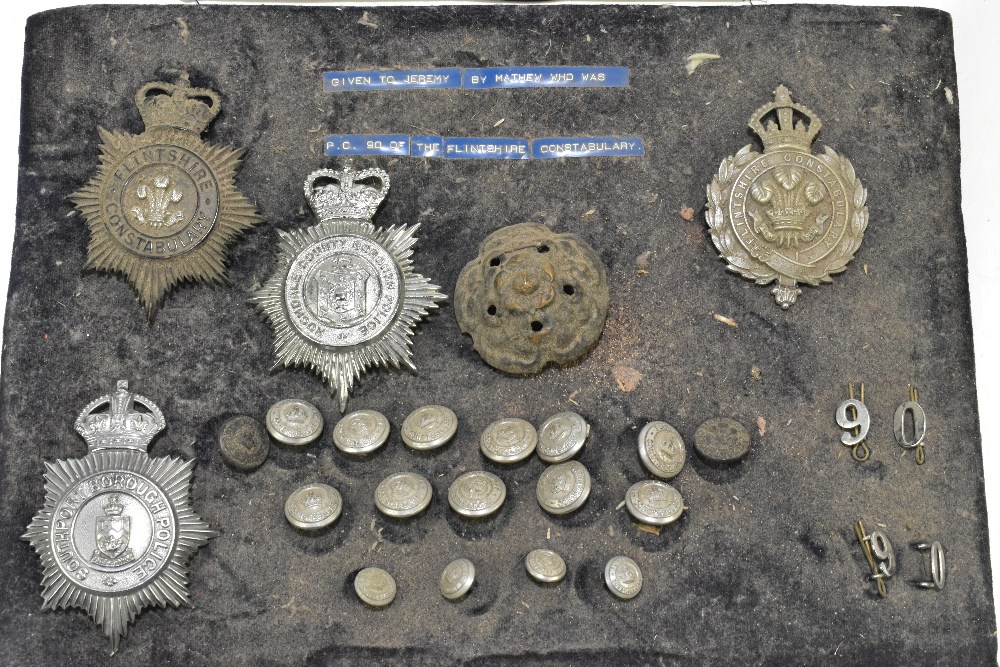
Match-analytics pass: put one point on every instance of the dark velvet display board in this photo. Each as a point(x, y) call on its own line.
point(763, 568)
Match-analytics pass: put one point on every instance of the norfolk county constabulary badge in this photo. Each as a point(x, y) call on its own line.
point(345, 297)
point(117, 528)
point(786, 215)
point(164, 205)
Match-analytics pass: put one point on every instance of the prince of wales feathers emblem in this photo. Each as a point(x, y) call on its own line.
point(345, 297)
point(786, 215)
point(164, 204)
point(117, 528)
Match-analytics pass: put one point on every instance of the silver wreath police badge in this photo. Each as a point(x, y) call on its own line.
point(117, 528)
point(345, 297)
point(786, 215)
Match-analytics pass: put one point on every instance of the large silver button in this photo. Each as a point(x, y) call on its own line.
point(654, 503)
point(429, 427)
point(294, 421)
point(375, 586)
point(722, 440)
point(561, 437)
point(545, 566)
point(457, 578)
point(661, 449)
point(623, 577)
point(313, 506)
point(403, 494)
point(508, 440)
point(563, 487)
point(477, 493)
point(361, 432)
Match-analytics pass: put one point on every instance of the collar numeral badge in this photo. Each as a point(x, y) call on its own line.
point(786, 215)
point(164, 204)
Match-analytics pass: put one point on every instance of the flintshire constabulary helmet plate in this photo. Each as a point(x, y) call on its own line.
point(163, 205)
point(344, 297)
point(786, 215)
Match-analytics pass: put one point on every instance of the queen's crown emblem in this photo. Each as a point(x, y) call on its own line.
point(177, 105)
point(122, 426)
point(349, 196)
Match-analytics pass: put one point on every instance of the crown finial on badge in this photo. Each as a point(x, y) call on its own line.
point(122, 426)
point(347, 196)
point(177, 105)
point(786, 133)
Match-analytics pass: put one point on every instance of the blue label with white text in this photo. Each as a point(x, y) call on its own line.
point(472, 148)
point(426, 146)
point(366, 144)
point(586, 147)
point(393, 79)
point(545, 77)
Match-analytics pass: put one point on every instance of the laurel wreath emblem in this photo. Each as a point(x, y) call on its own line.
point(739, 260)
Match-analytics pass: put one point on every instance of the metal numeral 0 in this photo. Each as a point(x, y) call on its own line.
point(860, 421)
point(937, 566)
point(919, 420)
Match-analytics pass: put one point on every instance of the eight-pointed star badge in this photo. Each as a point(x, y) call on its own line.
point(117, 528)
point(786, 215)
point(344, 297)
point(164, 204)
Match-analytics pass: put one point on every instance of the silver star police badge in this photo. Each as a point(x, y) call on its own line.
point(345, 297)
point(786, 215)
point(117, 528)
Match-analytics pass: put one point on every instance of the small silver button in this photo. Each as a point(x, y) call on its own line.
point(375, 586)
point(457, 578)
point(623, 577)
point(508, 440)
point(563, 487)
point(545, 566)
point(429, 427)
point(477, 493)
point(654, 503)
point(294, 422)
point(313, 506)
point(561, 437)
point(661, 449)
point(403, 494)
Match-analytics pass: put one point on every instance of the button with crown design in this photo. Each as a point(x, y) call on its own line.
point(313, 506)
point(163, 205)
point(786, 215)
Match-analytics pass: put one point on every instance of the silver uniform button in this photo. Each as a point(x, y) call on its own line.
point(563, 487)
point(508, 440)
point(403, 494)
point(661, 449)
point(375, 586)
point(457, 578)
point(545, 566)
point(561, 437)
point(361, 432)
point(313, 506)
point(477, 493)
point(654, 503)
point(623, 577)
point(722, 440)
point(294, 422)
point(429, 427)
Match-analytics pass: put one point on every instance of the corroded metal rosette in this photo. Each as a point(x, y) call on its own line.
point(344, 297)
point(531, 298)
point(163, 205)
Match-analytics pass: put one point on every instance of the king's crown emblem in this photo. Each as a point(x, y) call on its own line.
point(122, 426)
point(787, 132)
point(346, 194)
point(177, 105)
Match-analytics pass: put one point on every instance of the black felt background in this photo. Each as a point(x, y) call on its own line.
point(762, 569)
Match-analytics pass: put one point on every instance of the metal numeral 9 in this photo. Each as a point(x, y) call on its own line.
point(861, 421)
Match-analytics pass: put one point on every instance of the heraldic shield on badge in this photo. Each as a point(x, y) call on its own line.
point(164, 204)
point(786, 215)
point(117, 528)
point(344, 297)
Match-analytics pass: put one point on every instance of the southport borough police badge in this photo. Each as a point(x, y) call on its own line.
point(786, 215)
point(117, 528)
